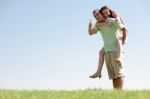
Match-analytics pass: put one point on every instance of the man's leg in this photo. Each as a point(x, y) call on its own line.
point(118, 83)
point(118, 79)
point(114, 70)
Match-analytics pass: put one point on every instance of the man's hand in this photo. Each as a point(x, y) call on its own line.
point(90, 24)
point(124, 38)
point(90, 29)
point(124, 41)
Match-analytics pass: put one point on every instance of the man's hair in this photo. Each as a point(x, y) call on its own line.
point(96, 10)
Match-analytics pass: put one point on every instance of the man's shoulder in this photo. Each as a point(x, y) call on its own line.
point(110, 19)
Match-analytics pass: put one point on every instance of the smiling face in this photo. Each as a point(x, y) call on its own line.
point(106, 13)
point(98, 16)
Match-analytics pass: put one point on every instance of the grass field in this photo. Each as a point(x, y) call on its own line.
point(75, 94)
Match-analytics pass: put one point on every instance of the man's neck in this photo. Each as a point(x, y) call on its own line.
point(101, 21)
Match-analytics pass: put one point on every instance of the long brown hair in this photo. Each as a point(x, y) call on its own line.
point(106, 7)
point(111, 11)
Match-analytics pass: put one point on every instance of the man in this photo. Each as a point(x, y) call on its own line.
point(109, 31)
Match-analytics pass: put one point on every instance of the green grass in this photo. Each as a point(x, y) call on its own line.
point(76, 94)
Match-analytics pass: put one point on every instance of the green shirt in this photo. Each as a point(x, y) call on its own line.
point(110, 34)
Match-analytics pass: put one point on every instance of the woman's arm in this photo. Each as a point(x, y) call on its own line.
point(108, 24)
point(117, 17)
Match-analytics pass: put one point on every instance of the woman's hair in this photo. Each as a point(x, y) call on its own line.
point(106, 7)
point(111, 11)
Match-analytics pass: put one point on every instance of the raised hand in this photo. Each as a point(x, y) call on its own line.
point(90, 24)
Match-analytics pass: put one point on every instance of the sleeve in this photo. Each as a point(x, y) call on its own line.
point(116, 24)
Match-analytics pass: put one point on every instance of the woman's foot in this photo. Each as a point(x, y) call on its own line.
point(95, 75)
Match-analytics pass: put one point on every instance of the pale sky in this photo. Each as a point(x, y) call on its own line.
point(44, 44)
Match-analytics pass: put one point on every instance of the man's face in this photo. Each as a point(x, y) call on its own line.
point(106, 13)
point(98, 16)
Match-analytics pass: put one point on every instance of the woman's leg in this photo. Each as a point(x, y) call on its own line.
point(100, 64)
point(101, 60)
point(119, 51)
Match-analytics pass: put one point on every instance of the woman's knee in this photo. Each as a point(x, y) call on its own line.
point(101, 52)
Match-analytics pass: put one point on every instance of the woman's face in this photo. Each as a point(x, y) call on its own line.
point(106, 13)
point(98, 16)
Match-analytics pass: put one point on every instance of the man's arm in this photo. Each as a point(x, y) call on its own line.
point(124, 33)
point(90, 29)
